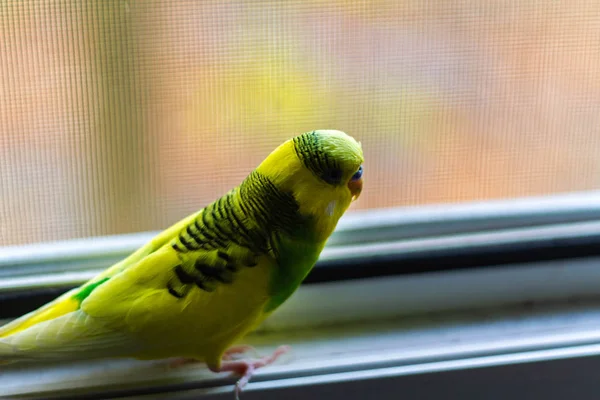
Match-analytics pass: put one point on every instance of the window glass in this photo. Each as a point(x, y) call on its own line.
point(125, 116)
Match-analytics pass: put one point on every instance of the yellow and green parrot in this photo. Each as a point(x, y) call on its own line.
point(200, 285)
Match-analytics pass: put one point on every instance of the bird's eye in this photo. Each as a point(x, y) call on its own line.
point(358, 174)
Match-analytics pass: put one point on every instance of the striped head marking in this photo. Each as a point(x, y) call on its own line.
point(331, 155)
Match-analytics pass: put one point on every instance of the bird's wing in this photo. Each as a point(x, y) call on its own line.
point(70, 301)
point(136, 307)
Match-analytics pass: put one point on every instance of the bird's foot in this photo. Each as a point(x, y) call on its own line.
point(241, 349)
point(228, 355)
point(246, 368)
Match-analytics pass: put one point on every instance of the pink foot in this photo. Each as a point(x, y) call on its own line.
point(230, 352)
point(246, 368)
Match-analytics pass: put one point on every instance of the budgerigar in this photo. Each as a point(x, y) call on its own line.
point(200, 285)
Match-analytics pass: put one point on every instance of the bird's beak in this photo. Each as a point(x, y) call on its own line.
point(355, 188)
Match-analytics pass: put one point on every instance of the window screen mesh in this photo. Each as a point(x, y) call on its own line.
point(123, 116)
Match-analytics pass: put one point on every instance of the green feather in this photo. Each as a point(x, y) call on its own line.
point(295, 261)
point(88, 289)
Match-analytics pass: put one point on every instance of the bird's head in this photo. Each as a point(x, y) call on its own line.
point(322, 170)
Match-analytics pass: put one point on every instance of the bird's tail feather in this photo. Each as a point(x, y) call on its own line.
point(69, 337)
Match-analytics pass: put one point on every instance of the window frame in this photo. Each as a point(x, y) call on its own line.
point(525, 253)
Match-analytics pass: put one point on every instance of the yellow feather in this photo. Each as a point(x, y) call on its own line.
point(66, 304)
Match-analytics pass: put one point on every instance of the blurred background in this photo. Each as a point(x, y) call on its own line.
point(125, 116)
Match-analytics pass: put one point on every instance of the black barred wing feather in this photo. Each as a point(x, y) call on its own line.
point(205, 269)
point(232, 233)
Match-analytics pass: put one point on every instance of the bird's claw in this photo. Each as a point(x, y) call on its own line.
point(241, 349)
point(246, 368)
